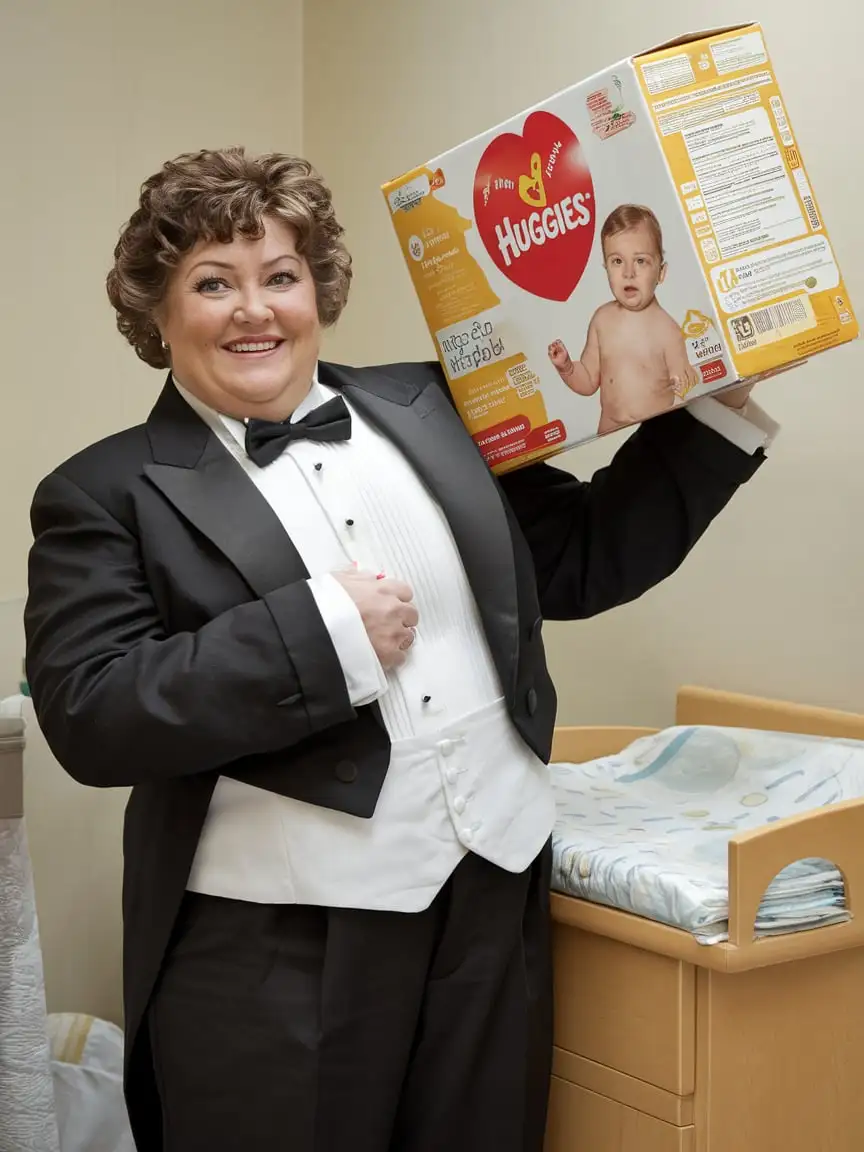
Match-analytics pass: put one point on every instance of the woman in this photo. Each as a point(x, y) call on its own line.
point(296, 612)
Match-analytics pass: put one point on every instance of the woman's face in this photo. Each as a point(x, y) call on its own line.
point(241, 322)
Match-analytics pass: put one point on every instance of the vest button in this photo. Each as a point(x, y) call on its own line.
point(346, 771)
point(531, 701)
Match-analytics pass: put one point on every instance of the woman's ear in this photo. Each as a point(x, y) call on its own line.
point(158, 330)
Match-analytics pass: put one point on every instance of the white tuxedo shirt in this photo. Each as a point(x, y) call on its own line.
point(460, 778)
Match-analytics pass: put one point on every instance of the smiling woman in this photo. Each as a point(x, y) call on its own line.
point(297, 613)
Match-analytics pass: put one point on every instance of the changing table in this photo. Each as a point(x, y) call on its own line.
point(666, 1045)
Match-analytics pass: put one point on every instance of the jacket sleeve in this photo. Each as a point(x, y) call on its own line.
point(604, 542)
point(119, 701)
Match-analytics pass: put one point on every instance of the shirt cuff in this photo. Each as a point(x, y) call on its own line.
point(748, 428)
point(364, 676)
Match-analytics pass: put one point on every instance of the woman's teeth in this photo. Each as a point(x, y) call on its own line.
point(266, 346)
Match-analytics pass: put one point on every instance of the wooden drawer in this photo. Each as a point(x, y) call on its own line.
point(632, 1010)
point(636, 1094)
point(582, 1121)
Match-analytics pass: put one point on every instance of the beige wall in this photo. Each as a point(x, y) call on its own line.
point(95, 95)
point(771, 600)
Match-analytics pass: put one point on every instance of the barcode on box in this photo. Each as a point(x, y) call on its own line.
point(779, 315)
point(775, 322)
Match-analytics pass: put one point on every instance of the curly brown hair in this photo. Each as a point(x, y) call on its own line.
point(218, 195)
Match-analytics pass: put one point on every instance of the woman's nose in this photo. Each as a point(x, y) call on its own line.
point(254, 309)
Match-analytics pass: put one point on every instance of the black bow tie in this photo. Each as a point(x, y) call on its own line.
point(266, 440)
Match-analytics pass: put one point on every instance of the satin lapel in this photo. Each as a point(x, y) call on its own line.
point(210, 490)
point(430, 434)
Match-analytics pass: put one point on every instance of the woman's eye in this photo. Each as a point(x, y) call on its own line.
point(211, 284)
point(283, 279)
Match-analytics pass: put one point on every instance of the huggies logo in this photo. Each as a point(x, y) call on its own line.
point(513, 240)
point(531, 187)
point(534, 206)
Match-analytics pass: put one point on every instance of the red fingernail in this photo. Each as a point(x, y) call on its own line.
point(381, 576)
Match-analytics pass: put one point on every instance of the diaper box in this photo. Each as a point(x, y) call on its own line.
point(641, 239)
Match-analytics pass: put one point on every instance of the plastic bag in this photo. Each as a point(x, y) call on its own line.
point(87, 1068)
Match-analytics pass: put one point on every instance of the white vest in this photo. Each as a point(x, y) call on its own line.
point(460, 777)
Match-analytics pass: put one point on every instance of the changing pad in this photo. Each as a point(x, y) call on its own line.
point(647, 830)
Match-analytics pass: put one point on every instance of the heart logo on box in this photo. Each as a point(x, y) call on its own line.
point(534, 206)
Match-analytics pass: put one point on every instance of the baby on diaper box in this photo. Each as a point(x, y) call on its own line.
point(636, 241)
point(634, 355)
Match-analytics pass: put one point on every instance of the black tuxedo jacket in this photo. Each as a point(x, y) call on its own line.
point(171, 636)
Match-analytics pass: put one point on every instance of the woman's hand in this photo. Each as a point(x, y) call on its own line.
point(387, 611)
point(735, 397)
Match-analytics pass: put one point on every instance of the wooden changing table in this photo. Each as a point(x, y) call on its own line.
point(666, 1045)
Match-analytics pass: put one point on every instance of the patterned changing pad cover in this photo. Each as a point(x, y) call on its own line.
point(647, 830)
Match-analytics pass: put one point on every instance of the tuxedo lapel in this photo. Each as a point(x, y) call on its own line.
point(424, 425)
point(210, 490)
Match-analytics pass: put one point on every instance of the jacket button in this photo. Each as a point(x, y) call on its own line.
point(346, 771)
point(534, 630)
point(531, 701)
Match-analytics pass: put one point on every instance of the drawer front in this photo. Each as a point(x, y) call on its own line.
point(581, 1121)
point(636, 1094)
point(632, 1010)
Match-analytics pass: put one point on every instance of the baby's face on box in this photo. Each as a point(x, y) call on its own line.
point(634, 267)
